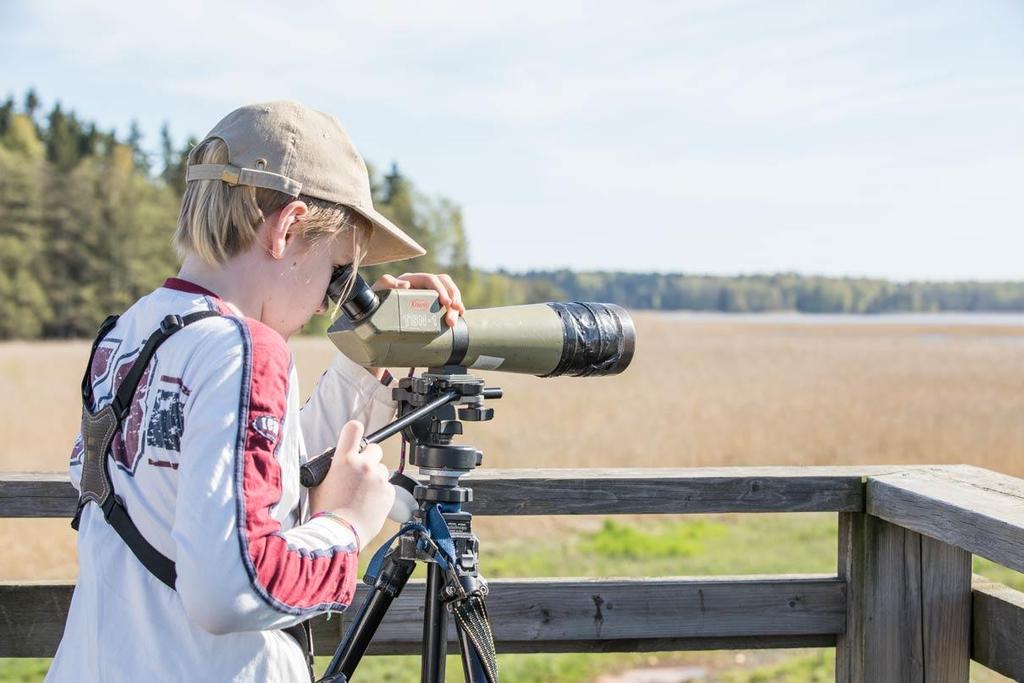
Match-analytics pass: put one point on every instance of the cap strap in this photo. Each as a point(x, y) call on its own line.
point(233, 175)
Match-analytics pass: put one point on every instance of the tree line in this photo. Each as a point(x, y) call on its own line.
point(86, 217)
point(762, 293)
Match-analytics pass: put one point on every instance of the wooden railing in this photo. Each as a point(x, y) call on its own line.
point(902, 607)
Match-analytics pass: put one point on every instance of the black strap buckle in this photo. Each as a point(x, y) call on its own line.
point(171, 324)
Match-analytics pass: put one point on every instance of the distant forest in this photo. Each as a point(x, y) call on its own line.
point(759, 293)
point(86, 217)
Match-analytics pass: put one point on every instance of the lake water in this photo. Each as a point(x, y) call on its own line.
point(793, 318)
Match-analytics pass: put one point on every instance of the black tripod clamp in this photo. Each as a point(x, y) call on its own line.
point(462, 592)
point(433, 543)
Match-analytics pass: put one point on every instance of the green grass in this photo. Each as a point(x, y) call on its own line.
point(995, 572)
point(567, 668)
point(817, 667)
point(714, 544)
point(23, 670)
point(719, 544)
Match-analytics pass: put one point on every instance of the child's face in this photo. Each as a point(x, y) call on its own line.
point(298, 281)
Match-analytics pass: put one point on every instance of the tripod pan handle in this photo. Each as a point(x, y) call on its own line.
point(314, 471)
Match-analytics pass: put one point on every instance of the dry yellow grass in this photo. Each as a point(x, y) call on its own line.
point(699, 392)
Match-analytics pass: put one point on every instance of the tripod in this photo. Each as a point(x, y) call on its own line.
point(439, 534)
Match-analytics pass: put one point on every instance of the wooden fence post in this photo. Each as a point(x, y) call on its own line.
point(908, 605)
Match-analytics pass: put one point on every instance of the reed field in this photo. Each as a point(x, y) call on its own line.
point(701, 391)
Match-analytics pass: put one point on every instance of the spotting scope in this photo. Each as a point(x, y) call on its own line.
point(406, 328)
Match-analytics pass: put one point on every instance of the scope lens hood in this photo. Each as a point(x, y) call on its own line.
point(597, 339)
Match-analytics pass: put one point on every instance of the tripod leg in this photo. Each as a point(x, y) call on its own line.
point(394, 575)
point(435, 629)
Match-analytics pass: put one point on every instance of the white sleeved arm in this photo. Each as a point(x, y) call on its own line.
point(346, 391)
point(238, 569)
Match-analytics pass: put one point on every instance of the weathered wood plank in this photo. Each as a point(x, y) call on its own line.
point(547, 615)
point(967, 507)
point(32, 617)
point(908, 606)
point(574, 491)
point(327, 641)
point(665, 491)
point(36, 494)
point(893, 605)
point(853, 570)
point(945, 611)
point(997, 633)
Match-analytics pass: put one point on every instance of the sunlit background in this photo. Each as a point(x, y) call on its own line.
point(709, 158)
point(841, 138)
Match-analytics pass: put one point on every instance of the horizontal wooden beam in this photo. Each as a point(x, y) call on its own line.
point(969, 507)
point(546, 615)
point(36, 494)
point(997, 628)
point(597, 491)
point(601, 491)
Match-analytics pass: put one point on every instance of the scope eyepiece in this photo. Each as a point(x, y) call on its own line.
point(361, 301)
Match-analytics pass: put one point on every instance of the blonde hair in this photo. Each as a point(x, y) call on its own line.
point(218, 221)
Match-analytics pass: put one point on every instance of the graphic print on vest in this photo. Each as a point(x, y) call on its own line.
point(167, 420)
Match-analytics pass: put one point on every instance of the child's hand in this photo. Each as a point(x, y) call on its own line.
point(447, 291)
point(356, 487)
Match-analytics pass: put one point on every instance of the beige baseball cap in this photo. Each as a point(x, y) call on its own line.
point(288, 147)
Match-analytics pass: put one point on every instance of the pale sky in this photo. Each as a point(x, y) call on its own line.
point(841, 138)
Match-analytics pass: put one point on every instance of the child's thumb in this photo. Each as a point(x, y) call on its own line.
point(351, 434)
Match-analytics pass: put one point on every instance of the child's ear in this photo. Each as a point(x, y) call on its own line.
point(282, 225)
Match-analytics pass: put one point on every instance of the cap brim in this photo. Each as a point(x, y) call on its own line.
point(388, 242)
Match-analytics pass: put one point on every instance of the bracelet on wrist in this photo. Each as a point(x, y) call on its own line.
point(344, 522)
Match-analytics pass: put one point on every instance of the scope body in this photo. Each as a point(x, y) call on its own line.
point(406, 328)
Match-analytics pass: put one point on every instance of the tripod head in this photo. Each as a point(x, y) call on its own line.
point(431, 434)
point(431, 409)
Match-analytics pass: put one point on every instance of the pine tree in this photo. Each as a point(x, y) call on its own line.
point(62, 138)
point(6, 114)
point(139, 156)
point(31, 104)
point(167, 152)
point(175, 161)
point(88, 141)
point(403, 207)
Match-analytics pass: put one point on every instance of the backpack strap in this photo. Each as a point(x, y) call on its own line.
point(105, 328)
point(98, 430)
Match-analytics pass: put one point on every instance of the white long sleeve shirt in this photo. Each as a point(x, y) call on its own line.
point(207, 464)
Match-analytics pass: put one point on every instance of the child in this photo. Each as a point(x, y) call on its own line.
point(202, 546)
